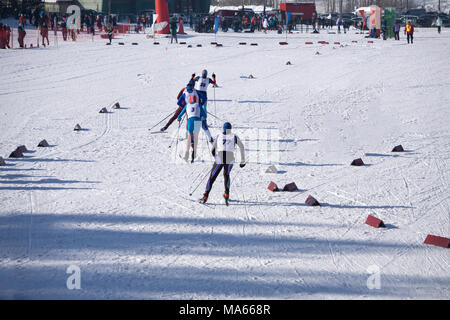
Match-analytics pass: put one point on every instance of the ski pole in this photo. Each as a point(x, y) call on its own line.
point(207, 144)
point(199, 175)
point(215, 107)
point(161, 121)
point(214, 116)
point(176, 136)
point(239, 171)
point(207, 173)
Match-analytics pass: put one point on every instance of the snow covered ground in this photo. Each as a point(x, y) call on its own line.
point(113, 200)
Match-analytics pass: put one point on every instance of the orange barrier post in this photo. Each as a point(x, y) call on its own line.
point(162, 10)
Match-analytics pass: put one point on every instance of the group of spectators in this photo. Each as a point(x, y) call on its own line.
point(238, 23)
point(265, 22)
point(43, 22)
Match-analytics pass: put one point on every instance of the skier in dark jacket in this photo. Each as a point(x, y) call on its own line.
point(223, 151)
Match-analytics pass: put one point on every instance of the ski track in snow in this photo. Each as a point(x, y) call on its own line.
point(112, 200)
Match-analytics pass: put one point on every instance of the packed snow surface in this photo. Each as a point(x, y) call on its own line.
point(113, 199)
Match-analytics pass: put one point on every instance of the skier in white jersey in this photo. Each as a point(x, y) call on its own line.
point(190, 101)
point(223, 150)
point(202, 84)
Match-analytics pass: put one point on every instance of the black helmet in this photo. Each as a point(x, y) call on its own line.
point(226, 127)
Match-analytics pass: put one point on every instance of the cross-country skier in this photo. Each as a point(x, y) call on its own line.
point(202, 86)
point(180, 108)
point(195, 113)
point(223, 151)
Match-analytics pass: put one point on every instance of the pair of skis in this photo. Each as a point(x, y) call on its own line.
point(202, 201)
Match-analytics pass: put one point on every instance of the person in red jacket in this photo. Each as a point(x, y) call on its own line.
point(44, 31)
point(409, 31)
point(2, 37)
point(7, 35)
point(99, 23)
point(22, 20)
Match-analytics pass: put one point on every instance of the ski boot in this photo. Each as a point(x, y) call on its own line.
point(163, 129)
point(226, 196)
point(211, 140)
point(204, 198)
point(186, 156)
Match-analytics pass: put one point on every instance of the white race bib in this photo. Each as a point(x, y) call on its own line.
point(226, 142)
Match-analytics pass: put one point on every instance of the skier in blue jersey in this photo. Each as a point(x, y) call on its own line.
point(202, 84)
point(191, 102)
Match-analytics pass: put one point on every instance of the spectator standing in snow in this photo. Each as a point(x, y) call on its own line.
point(7, 35)
point(265, 25)
point(346, 26)
point(173, 30)
point(397, 30)
point(64, 28)
point(253, 24)
point(383, 31)
point(409, 31)
point(99, 23)
point(339, 24)
point(22, 33)
point(44, 31)
point(2, 37)
point(92, 24)
point(438, 24)
point(109, 30)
